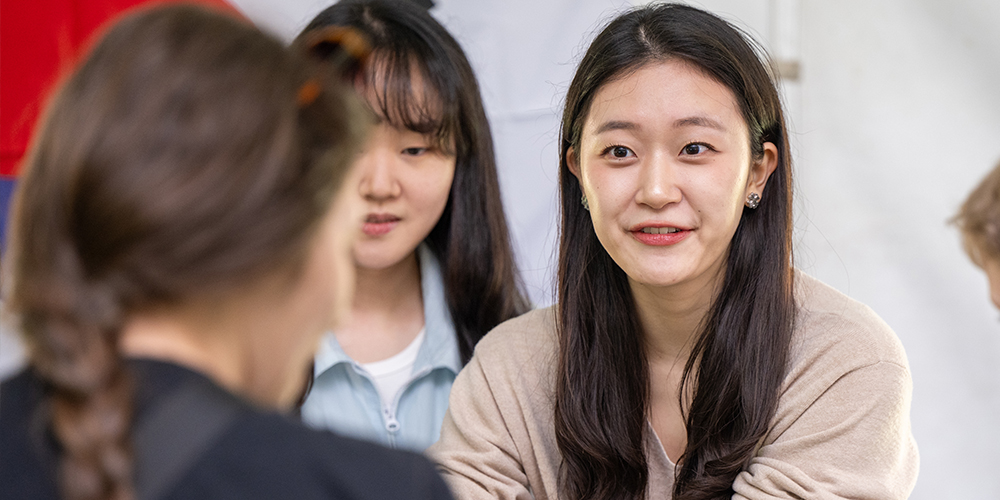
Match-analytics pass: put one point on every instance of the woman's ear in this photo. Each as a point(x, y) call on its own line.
point(761, 170)
point(572, 164)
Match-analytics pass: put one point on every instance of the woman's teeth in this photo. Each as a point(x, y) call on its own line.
point(660, 230)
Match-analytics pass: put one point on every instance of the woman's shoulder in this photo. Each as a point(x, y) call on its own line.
point(830, 323)
point(268, 455)
point(516, 340)
point(841, 428)
point(518, 360)
point(255, 452)
point(498, 435)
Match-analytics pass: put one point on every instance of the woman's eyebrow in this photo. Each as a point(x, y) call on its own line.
point(691, 121)
point(699, 121)
point(616, 125)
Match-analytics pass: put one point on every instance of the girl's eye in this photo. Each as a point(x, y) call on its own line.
point(414, 151)
point(696, 148)
point(618, 152)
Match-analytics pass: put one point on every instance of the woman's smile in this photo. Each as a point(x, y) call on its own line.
point(658, 234)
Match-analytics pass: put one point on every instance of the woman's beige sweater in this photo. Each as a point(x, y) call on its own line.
point(842, 427)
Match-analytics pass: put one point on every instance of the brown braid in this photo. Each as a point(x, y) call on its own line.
point(76, 354)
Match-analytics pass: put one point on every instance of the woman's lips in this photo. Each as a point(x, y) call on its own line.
point(660, 235)
point(379, 224)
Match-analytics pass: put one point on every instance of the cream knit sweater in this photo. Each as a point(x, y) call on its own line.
point(842, 427)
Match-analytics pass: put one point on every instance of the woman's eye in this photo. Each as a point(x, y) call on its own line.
point(414, 151)
point(695, 148)
point(619, 151)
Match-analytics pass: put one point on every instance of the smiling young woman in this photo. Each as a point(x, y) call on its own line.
point(435, 265)
point(687, 358)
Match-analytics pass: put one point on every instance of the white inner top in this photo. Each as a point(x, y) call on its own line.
point(392, 373)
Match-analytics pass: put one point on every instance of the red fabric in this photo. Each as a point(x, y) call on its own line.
point(40, 41)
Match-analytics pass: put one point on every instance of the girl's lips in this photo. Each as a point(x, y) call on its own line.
point(379, 224)
point(664, 239)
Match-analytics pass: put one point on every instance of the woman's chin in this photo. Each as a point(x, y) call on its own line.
point(378, 256)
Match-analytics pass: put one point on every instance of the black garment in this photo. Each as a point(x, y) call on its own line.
point(259, 454)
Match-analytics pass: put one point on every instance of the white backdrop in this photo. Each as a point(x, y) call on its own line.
point(895, 116)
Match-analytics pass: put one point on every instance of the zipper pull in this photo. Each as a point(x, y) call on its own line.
point(391, 424)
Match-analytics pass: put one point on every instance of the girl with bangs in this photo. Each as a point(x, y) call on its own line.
point(435, 265)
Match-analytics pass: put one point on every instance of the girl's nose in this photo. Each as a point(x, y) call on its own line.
point(378, 182)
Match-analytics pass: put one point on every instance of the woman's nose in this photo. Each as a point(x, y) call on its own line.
point(378, 182)
point(658, 182)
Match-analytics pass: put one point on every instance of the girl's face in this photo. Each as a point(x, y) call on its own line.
point(665, 163)
point(405, 182)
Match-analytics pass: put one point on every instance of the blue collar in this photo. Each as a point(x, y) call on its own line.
point(440, 347)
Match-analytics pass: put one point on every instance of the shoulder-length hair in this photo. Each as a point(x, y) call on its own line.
point(471, 239)
point(738, 362)
point(190, 155)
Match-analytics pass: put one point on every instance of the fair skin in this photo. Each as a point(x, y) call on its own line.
point(257, 340)
point(405, 182)
point(665, 162)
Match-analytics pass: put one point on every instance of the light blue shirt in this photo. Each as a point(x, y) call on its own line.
point(344, 398)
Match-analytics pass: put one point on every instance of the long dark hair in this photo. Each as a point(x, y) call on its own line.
point(471, 239)
point(738, 362)
point(188, 155)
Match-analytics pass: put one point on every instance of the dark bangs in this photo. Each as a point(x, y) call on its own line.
point(407, 47)
point(400, 90)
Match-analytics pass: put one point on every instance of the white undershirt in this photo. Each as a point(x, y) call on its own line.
point(392, 373)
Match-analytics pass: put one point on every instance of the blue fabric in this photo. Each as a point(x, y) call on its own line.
point(344, 398)
point(6, 192)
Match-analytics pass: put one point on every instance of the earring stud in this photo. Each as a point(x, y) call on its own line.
point(585, 203)
point(753, 199)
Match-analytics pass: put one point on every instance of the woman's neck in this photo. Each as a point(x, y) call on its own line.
point(242, 345)
point(178, 339)
point(387, 314)
point(389, 288)
point(672, 317)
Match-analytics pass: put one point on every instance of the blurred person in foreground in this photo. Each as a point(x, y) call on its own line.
point(180, 243)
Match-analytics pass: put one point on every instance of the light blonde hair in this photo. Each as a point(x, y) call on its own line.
point(979, 219)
